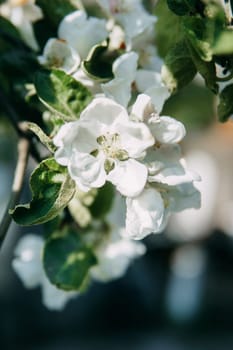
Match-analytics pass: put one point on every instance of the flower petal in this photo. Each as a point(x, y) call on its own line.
point(104, 111)
point(145, 214)
point(82, 33)
point(27, 263)
point(87, 171)
point(167, 130)
point(129, 177)
point(135, 138)
point(125, 66)
point(119, 90)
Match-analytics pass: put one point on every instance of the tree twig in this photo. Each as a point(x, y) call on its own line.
point(18, 126)
point(23, 153)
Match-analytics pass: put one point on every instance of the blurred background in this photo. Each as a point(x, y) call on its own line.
point(179, 296)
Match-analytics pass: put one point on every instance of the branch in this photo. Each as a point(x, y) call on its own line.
point(23, 153)
point(18, 126)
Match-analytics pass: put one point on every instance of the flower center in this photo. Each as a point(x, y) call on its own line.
point(19, 2)
point(110, 145)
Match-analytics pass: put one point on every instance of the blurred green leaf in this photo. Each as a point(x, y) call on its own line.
point(182, 7)
point(103, 201)
point(67, 260)
point(178, 69)
point(55, 10)
point(225, 107)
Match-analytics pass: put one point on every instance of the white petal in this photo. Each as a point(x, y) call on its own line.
point(105, 111)
point(125, 66)
point(87, 171)
point(185, 196)
point(63, 140)
point(27, 263)
point(58, 54)
point(114, 256)
point(82, 33)
point(129, 177)
point(151, 84)
point(159, 94)
point(118, 89)
point(54, 298)
point(147, 78)
point(145, 214)
point(135, 138)
point(166, 166)
point(142, 108)
point(167, 130)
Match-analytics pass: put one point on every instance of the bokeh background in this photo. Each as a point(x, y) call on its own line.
point(179, 296)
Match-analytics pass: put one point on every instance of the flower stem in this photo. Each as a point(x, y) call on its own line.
point(23, 153)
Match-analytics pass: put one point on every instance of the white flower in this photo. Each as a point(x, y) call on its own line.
point(144, 214)
point(104, 145)
point(149, 212)
point(166, 166)
point(150, 83)
point(130, 14)
point(124, 70)
point(114, 254)
point(82, 32)
point(146, 81)
point(22, 13)
point(58, 54)
point(166, 130)
point(28, 266)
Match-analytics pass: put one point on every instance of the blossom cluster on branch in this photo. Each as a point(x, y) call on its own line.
point(97, 88)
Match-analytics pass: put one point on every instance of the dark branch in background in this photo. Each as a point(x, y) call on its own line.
point(23, 153)
point(15, 122)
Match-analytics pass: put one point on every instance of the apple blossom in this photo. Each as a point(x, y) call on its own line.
point(82, 32)
point(58, 54)
point(104, 145)
point(130, 14)
point(22, 13)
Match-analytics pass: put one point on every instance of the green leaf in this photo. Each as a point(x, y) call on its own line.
point(67, 260)
point(45, 139)
point(168, 28)
point(223, 44)
point(197, 31)
point(54, 11)
point(225, 107)
point(182, 7)
point(178, 69)
point(206, 69)
point(103, 201)
point(51, 188)
point(98, 64)
point(62, 94)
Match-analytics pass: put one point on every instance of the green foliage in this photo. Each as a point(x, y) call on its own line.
point(55, 10)
point(62, 94)
point(103, 201)
point(98, 64)
point(67, 260)
point(182, 7)
point(51, 188)
point(178, 69)
point(168, 28)
point(225, 107)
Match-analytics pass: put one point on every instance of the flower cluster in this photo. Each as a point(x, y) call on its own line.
point(121, 137)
